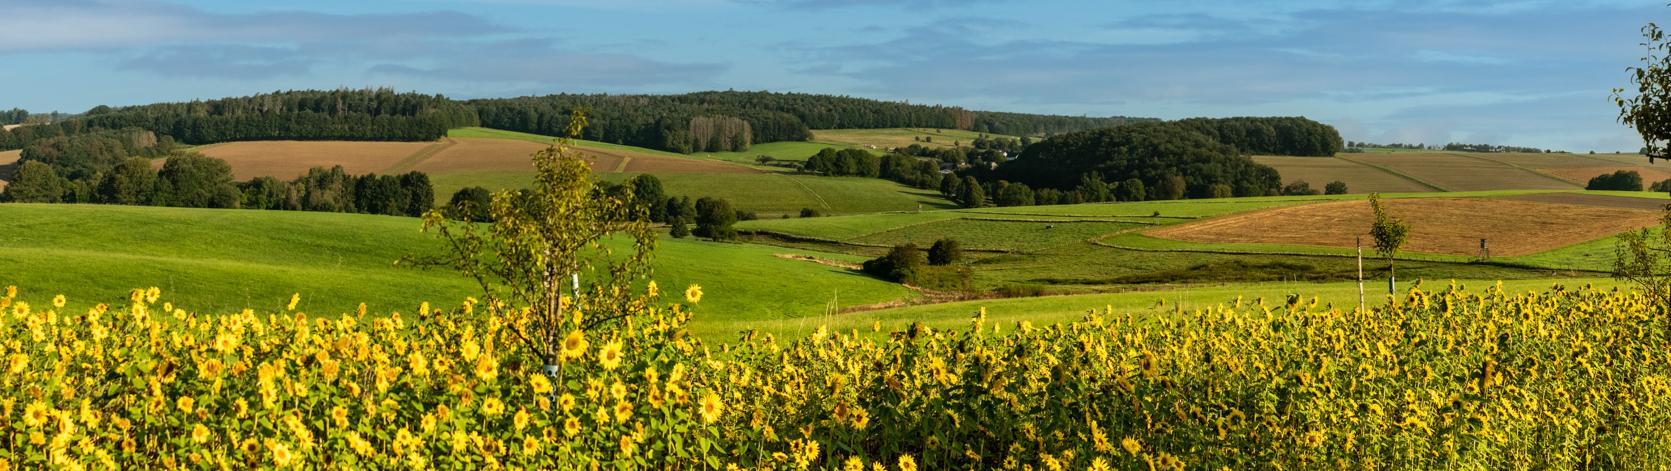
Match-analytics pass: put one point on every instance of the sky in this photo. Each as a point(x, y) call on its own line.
point(1528, 73)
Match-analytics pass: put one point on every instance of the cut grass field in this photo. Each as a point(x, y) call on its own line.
point(1359, 178)
point(225, 260)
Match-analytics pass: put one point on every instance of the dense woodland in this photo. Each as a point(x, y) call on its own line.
point(14, 116)
point(1171, 161)
point(361, 115)
point(1270, 136)
point(679, 123)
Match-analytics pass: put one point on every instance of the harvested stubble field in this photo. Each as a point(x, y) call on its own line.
point(289, 159)
point(12, 126)
point(1582, 175)
point(1456, 172)
point(482, 154)
point(1453, 226)
point(1359, 178)
point(8, 161)
point(1594, 200)
point(7, 166)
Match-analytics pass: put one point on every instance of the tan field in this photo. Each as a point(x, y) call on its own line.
point(289, 159)
point(8, 163)
point(478, 154)
point(1456, 171)
point(11, 126)
point(1437, 225)
point(1359, 178)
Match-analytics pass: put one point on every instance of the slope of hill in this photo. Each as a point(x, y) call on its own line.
point(231, 259)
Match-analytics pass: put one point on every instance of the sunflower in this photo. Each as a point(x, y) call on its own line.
point(619, 390)
point(541, 384)
point(294, 298)
point(574, 345)
point(653, 290)
point(711, 407)
point(693, 294)
point(281, 454)
point(199, 433)
point(566, 401)
point(610, 355)
point(58, 301)
point(571, 427)
point(487, 367)
point(907, 463)
point(623, 411)
point(186, 404)
point(520, 420)
point(19, 361)
point(36, 414)
point(1131, 445)
point(339, 415)
point(493, 407)
point(530, 446)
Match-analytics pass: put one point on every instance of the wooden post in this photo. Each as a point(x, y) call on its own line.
point(1360, 275)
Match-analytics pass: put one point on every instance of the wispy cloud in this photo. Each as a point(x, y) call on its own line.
point(177, 41)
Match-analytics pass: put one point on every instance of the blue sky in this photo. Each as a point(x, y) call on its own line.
point(1531, 72)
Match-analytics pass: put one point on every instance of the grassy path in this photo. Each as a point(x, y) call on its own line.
point(419, 157)
point(1395, 172)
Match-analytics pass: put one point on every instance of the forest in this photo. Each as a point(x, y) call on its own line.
point(1171, 160)
point(684, 123)
point(1270, 136)
point(362, 115)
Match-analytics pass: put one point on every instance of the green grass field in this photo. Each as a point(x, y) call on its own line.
point(222, 260)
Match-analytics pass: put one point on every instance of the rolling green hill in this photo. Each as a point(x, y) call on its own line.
point(226, 260)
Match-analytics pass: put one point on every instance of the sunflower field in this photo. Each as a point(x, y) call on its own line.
point(1443, 379)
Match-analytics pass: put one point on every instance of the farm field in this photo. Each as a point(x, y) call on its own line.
point(1359, 178)
point(234, 259)
point(1439, 226)
point(886, 138)
point(1101, 246)
point(289, 159)
point(1453, 171)
point(8, 163)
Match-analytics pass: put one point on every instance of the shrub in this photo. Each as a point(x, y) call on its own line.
point(472, 203)
point(945, 252)
point(1298, 188)
point(1019, 291)
point(809, 213)
point(1620, 180)
point(1336, 187)
point(898, 265)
